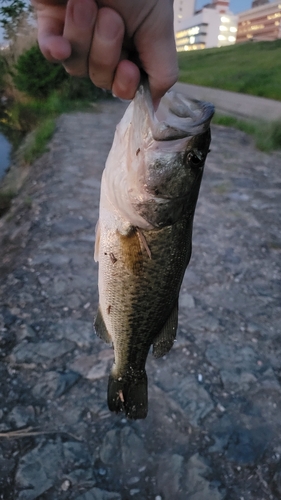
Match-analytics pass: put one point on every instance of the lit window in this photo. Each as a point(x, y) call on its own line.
point(231, 38)
point(233, 30)
point(186, 47)
point(223, 28)
point(225, 19)
point(194, 31)
point(222, 37)
point(192, 39)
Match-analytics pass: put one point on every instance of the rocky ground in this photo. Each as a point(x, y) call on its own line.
point(213, 431)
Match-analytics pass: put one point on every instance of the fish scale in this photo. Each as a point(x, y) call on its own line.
point(144, 237)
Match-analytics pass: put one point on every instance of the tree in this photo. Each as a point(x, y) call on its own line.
point(11, 13)
point(34, 75)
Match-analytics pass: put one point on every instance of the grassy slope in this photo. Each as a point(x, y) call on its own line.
point(250, 68)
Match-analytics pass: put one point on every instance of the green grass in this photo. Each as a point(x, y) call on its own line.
point(38, 115)
point(267, 136)
point(6, 197)
point(39, 141)
point(249, 68)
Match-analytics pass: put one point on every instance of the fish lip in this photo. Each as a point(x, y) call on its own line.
point(188, 122)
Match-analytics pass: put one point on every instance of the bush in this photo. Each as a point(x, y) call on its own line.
point(74, 88)
point(36, 76)
point(3, 72)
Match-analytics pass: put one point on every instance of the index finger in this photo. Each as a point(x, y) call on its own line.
point(155, 43)
point(50, 22)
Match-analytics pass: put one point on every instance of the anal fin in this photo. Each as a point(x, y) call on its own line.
point(164, 341)
point(101, 329)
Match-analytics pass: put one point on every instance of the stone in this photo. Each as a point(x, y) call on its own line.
point(277, 481)
point(241, 445)
point(6, 466)
point(7, 342)
point(98, 371)
point(54, 384)
point(193, 399)
point(125, 446)
point(207, 322)
point(40, 352)
point(82, 476)
point(177, 479)
point(21, 416)
point(93, 366)
point(198, 487)
point(247, 446)
point(186, 301)
point(221, 355)
point(76, 454)
point(37, 471)
point(134, 491)
point(7, 317)
point(78, 331)
point(169, 476)
point(235, 379)
point(42, 467)
point(69, 225)
point(98, 494)
point(65, 485)
point(238, 365)
point(25, 332)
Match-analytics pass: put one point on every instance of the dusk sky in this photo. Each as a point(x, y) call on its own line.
point(236, 6)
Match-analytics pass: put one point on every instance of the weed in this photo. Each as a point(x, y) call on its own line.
point(267, 136)
point(39, 140)
point(6, 197)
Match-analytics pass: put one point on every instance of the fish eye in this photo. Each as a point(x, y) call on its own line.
point(194, 158)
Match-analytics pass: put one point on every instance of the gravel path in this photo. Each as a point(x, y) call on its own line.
point(213, 431)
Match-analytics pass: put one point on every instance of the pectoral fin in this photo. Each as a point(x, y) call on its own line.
point(97, 243)
point(101, 329)
point(165, 339)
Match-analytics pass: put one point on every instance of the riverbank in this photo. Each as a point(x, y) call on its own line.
point(213, 428)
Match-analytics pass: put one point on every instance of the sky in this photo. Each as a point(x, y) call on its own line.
point(235, 6)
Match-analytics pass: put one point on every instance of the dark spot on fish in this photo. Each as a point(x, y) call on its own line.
point(112, 257)
point(137, 151)
point(108, 309)
point(105, 253)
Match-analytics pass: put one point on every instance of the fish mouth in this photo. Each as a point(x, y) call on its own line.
point(176, 117)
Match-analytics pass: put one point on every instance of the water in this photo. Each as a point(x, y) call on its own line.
point(5, 154)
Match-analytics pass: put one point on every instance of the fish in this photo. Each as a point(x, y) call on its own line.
point(149, 191)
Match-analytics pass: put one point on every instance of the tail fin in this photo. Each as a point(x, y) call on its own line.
point(128, 394)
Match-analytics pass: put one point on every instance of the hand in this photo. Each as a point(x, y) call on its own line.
point(109, 40)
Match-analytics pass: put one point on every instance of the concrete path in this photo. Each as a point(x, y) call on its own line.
point(234, 103)
point(213, 431)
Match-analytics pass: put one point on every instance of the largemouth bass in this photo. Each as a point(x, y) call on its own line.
point(149, 191)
